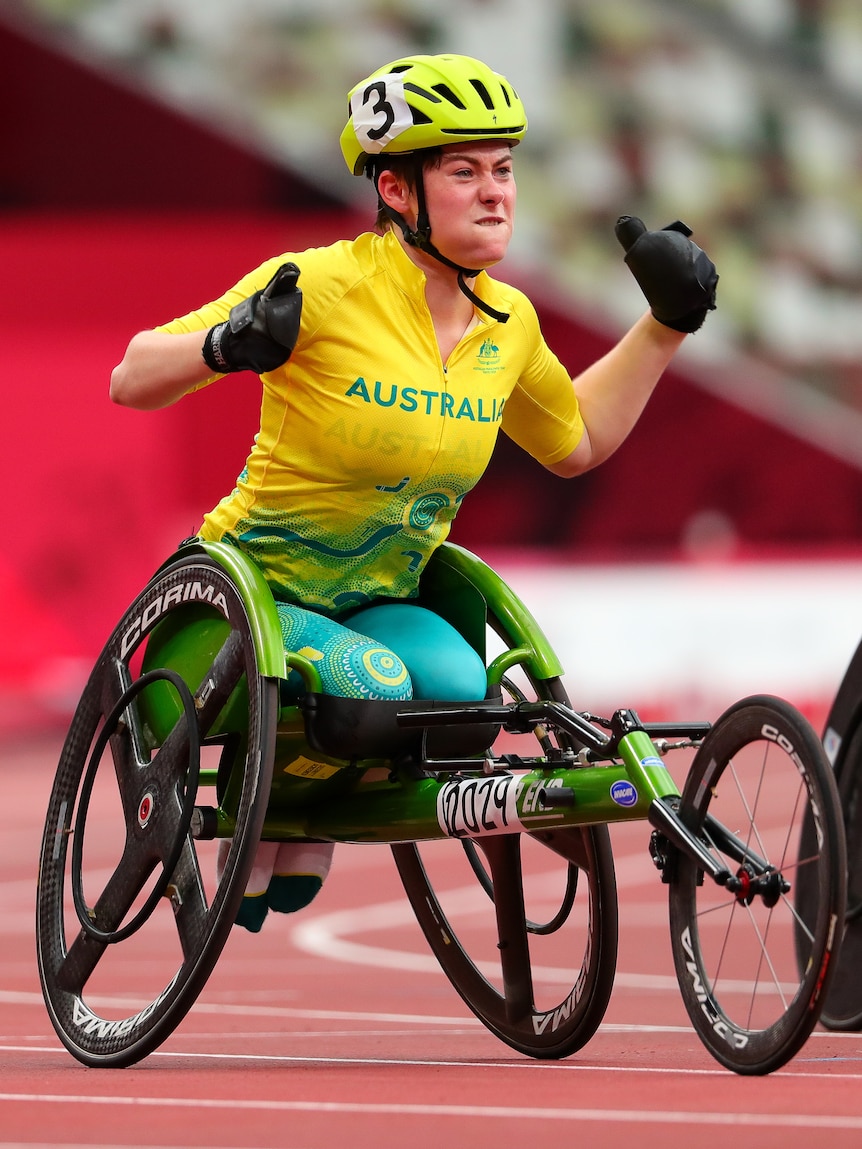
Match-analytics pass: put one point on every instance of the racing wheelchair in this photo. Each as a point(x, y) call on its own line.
point(842, 740)
point(184, 738)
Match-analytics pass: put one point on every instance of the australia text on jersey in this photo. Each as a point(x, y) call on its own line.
point(479, 409)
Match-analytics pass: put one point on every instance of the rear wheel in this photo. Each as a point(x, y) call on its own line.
point(523, 925)
point(754, 958)
point(131, 912)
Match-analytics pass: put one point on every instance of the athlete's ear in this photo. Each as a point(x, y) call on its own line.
point(393, 190)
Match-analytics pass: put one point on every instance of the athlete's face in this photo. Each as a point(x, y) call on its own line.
point(471, 202)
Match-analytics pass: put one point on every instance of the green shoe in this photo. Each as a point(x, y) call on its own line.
point(288, 893)
point(252, 912)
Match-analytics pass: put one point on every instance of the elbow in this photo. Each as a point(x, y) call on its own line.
point(566, 468)
point(133, 381)
point(118, 390)
point(157, 370)
point(582, 459)
point(127, 390)
point(124, 388)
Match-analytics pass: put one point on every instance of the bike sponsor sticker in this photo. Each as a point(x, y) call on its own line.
point(624, 793)
point(473, 807)
point(305, 768)
point(90, 1023)
point(552, 1019)
point(831, 744)
point(735, 1038)
point(190, 591)
point(652, 761)
point(145, 808)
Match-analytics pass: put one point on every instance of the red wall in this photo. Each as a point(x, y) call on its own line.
point(97, 495)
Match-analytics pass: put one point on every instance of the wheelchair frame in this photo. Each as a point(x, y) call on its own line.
point(197, 660)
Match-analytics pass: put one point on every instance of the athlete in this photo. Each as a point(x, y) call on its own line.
point(389, 364)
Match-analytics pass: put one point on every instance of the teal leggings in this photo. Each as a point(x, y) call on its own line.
point(357, 661)
point(391, 651)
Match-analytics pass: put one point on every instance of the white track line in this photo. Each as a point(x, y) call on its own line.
point(529, 1065)
point(329, 936)
point(529, 1113)
point(21, 998)
point(9, 997)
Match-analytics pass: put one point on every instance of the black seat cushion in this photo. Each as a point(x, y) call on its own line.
point(358, 728)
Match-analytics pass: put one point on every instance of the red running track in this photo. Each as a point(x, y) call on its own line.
point(335, 1028)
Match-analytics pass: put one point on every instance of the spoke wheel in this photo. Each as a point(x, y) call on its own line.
point(843, 1002)
point(523, 925)
point(131, 910)
point(752, 968)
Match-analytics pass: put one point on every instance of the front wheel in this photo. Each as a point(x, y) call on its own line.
point(753, 969)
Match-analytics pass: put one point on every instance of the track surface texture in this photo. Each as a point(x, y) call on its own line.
point(334, 1027)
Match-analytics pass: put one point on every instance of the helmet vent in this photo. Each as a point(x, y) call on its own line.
point(484, 94)
point(446, 92)
point(423, 92)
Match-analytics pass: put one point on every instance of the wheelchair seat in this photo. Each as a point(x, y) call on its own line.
point(352, 728)
point(347, 729)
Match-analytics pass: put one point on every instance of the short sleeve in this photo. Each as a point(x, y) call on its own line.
point(542, 414)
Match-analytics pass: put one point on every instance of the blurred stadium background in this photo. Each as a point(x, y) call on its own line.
point(153, 150)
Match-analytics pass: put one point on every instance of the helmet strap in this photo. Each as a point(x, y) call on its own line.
point(420, 238)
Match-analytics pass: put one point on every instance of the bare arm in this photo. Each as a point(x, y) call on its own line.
point(257, 334)
point(158, 368)
point(614, 391)
point(679, 281)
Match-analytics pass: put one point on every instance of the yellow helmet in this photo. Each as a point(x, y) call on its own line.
point(425, 102)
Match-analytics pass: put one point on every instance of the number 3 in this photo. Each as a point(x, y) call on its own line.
point(380, 112)
point(382, 106)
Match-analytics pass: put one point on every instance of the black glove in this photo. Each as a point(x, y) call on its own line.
point(260, 332)
point(676, 276)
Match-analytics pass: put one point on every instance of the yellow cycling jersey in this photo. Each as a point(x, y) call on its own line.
point(368, 441)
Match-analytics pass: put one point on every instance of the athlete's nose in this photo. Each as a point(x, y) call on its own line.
point(491, 192)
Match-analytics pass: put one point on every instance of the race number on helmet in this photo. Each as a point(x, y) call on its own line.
point(426, 102)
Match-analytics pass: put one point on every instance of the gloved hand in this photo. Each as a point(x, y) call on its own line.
point(676, 276)
point(260, 333)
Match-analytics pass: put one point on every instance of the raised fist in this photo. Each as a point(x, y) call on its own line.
point(261, 332)
point(677, 277)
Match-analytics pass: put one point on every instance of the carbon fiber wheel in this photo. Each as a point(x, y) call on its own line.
point(523, 925)
point(131, 913)
point(755, 957)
